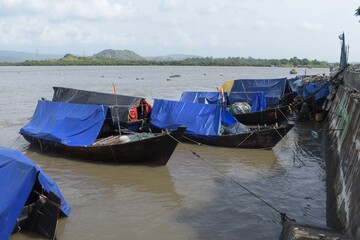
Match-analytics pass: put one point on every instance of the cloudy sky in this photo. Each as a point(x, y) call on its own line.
point(216, 28)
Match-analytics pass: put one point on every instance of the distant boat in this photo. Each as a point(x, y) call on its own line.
point(174, 76)
point(293, 71)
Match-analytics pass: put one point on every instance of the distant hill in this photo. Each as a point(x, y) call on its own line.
point(119, 54)
point(172, 57)
point(14, 56)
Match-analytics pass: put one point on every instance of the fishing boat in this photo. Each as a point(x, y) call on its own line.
point(85, 131)
point(129, 112)
point(242, 111)
point(213, 125)
point(293, 71)
point(30, 199)
point(268, 99)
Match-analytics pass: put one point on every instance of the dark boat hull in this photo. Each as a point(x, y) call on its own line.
point(266, 138)
point(154, 150)
point(40, 216)
point(268, 116)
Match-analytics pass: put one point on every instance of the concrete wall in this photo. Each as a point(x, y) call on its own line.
point(342, 144)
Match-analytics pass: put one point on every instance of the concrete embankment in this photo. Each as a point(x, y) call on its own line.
point(341, 147)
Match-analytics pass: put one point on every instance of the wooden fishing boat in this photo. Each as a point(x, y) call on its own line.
point(264, 138)
point(82, 131)
point(268, 98)
point(213, 125)
point(156, 149)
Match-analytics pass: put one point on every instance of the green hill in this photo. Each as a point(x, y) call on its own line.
point(119, 54)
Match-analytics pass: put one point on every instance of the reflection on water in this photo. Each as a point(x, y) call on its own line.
point(189, 198)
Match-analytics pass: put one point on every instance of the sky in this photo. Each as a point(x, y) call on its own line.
point(266, 29)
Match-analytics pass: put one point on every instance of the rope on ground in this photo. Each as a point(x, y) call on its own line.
point(283, 215)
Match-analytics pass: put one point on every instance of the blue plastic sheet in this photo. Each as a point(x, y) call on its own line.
point(310, 88)
point(200, 119)
point(259, 102)
point(67, 123)
point(204, 97)
point(244, 90)
point(17, 178)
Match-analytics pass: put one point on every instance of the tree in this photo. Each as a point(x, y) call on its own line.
point(357, 12)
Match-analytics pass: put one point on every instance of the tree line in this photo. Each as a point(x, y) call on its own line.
point(72, 60)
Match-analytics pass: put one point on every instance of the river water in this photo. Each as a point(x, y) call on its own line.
point(190, 197)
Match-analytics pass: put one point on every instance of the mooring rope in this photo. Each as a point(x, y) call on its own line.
point(244, 140)
point(283, 215)
point(287, 119)
point(15, 141)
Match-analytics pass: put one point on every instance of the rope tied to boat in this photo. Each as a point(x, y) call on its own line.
point(251, 133)
point(287, 119)
point(283, 215)
point(15, 141)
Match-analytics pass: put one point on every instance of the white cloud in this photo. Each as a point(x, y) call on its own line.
point(311, 26)
point(62, 10)
point(214, 40)
point(261, 25)
point(172, 5)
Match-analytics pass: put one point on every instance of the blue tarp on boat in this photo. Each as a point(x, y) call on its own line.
point(310, 88)
point(18, 175)
point(259, 102)
point(200, 119)
point(204, 97)
point(67, 123)
point(307, 88)
point(244, 90)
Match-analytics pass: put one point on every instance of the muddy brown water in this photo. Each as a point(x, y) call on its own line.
point(189, 198)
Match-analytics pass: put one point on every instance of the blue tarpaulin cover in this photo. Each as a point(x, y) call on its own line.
point(204, 97)
point(200, 119)
point(17, 178)
point(305, 89)
point(244, 90)
point(67, 123)
point(259, 102)
point(310, 88)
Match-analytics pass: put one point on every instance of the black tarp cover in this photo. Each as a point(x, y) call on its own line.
point(121, 106)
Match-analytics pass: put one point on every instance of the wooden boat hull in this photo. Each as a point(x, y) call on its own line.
point(154, 150)
point(40, 216)
point(268, 116)
point(266, 138)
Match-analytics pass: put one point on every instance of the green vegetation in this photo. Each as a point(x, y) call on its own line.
point(69, 60)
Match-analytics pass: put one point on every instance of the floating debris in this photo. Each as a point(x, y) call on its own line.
point(174, 76)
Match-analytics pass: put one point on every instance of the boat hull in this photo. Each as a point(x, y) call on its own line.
point(268, 116)
point(154, 150)
point(266, 138)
